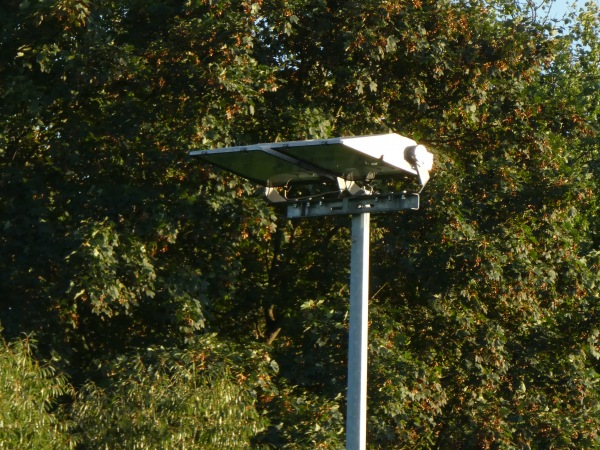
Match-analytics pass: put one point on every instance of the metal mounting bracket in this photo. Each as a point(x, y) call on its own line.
point(373, 204)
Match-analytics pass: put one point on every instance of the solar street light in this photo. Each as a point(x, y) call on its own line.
point(348, 167)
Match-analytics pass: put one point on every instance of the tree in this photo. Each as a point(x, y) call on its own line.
point(114, 241)
point(480, 347)
point(102, 102)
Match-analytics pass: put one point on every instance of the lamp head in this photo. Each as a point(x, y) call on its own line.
point(422, 160)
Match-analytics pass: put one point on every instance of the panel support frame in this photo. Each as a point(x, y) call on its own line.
point(315, 207)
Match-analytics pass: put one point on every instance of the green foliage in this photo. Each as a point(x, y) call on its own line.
point(132, 263)
point(202, 397)
point(29, 392)
point(305, 420)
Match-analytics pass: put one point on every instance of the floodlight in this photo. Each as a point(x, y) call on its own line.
point(423, 161)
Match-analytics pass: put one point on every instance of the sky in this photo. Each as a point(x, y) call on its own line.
point(562, 7)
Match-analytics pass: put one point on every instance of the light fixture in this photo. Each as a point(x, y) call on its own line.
point(348, 166)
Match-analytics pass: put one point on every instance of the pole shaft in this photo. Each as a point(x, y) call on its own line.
point(356, 414)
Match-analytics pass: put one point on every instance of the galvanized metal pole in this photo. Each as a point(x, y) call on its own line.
point(356, 412)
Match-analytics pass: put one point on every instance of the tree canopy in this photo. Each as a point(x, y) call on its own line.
point(173, 307)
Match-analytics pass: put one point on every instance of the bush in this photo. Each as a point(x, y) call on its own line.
point(165, 398)
point(28, 394)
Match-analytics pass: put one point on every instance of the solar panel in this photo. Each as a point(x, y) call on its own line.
point(286, 163)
